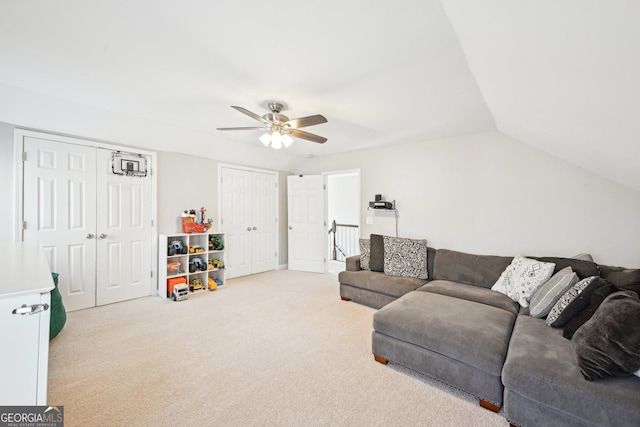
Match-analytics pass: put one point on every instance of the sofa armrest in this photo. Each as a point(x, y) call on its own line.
point(353, 263)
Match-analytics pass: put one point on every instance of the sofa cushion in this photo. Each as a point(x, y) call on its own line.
point(541, 366)
point(608, 344)
point(364, 253)
point(586, 313)
point(548, 294)
point(581, 267)
point(620, 277)
point(473, 333)
point(376, 252)
point(380, 282)
point(405, 257)
point(522, 278)
point(470, 293)
point(479, 270)
point(574, 300)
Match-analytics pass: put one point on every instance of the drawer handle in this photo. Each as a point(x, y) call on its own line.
point(32, 309)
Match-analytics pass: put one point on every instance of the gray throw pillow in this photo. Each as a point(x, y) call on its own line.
point(548, 294)
point(608, 344)
point(364, 254)
point(405, 257)
point(376, 253)
point(574, 300)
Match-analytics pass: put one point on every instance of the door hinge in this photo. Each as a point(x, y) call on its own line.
point(221, 221)
point(24, 156)
point(221, 180)
point(24, 225)
point(276, 219)
point(324, 186)
point(276, 184)
point(276, 254)
point(151, 273)
point(152, 223)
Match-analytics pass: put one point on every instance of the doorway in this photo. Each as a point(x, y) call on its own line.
point(343, 217)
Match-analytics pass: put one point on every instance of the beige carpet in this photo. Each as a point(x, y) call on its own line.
point(274, 349)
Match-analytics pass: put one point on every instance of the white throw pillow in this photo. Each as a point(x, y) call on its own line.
point(522, 278)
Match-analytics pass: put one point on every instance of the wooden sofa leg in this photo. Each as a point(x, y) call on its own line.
point(380, 359)
point(490, 406)
point(344, 298)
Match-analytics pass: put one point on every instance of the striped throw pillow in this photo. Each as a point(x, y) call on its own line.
point(548, 294)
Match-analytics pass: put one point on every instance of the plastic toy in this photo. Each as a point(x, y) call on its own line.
point(176, 248)
point(195, 264)
point(212, 284)
point(218, 281)
point(177, 291)
point(217, 263)
point(217, 243)
point(195, 285)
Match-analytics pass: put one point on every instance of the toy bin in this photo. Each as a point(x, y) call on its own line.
point(173, 268)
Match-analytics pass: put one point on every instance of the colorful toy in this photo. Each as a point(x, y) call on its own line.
point(195, 264)
point(177, 288)
point(217, 263)
point(218, 281)
point(176, 248)
point(212, 284)
point(195, 285)
point(216, 243)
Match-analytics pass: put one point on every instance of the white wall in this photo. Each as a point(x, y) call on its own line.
point(341, 206)
point(7, 178)
point(491, 194)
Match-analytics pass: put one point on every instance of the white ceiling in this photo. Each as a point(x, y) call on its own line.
point(561, 75)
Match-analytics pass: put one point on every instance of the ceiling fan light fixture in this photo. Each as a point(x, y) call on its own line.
point(276, 144)
point(265, 139)
point(286, 140)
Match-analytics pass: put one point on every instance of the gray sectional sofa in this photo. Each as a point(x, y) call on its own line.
point(454, 328)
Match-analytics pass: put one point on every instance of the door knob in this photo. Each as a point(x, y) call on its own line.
point(248, 228)
point(290, 228)
point(255, 228)
point(89, 236)
point(102, 235)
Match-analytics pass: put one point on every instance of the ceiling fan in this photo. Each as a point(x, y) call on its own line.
point(280, 128)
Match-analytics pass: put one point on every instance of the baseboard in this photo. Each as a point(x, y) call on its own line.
point(283, 267)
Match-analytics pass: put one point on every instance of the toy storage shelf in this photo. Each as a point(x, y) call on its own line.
point(177, 265)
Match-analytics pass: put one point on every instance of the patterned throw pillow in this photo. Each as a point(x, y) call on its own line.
point(405, 257)
point(574, 300)
point(548, 294)
point(364, 254)
point(522, 278)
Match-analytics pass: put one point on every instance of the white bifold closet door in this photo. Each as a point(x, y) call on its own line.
point(94, 225)
point(249, 215)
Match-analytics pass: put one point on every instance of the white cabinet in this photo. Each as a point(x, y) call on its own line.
point(209, 248)
point(24, 324)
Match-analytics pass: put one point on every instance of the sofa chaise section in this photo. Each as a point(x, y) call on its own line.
point(544, 386)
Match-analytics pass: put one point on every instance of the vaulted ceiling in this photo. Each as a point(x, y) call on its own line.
point(560, 75)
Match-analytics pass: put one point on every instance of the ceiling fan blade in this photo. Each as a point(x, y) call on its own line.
point(244, 128)
point(308, 136)
point(307, 121)
point(250, 114)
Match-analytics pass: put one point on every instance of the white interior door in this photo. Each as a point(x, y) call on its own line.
point(235, 192)
point(59, 210)
point(263, 224)
point(123, 234)
point(305, 199)
point(249, 220)
point(94, 226)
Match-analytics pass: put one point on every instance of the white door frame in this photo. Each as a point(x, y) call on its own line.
point(18, 142)
point(251, 169)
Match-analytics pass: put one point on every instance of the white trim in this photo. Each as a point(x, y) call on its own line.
point(18, 139)
point(283, 267)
